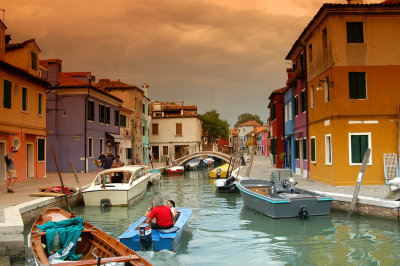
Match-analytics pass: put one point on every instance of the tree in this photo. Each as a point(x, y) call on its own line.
point(243, 118)
point(213, 126)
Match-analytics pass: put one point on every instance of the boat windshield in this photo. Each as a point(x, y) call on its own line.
point(139, 173)
point(121, 177)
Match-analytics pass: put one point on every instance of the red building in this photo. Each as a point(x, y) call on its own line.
point(223, 144)
point(276, 108)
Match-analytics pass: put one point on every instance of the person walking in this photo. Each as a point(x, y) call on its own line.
point(10, 168)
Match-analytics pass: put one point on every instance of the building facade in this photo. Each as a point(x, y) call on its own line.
point(277, 127)
point(23, 108)
point(290, 152)
point(243, 130)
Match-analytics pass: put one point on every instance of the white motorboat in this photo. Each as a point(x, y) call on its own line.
point(117, 186)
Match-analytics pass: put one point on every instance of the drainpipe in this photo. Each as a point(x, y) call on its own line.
point(85, 134)
point(308, 109)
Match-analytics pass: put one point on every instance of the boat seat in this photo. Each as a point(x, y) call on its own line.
point(169, 230)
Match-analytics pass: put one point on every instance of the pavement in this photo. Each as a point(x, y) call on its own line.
point(260, 169)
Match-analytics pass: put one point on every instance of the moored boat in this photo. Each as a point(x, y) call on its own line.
point(117, 186)
point(89, 244)
point(219, 172)
point(156, 239)
point(174, 170)
point(192, 164)
point(228, 185)
point(280, 199)
point(155, 176)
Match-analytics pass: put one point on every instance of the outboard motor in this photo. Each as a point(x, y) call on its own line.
point(218, 172)
point(145, 237)
point(303, 214)
point(229, 181)
point(105, 203)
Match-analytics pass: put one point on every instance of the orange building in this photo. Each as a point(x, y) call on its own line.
point(23, 107)
point(353, 67)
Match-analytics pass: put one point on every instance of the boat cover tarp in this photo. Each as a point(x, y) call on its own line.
point(61, 238)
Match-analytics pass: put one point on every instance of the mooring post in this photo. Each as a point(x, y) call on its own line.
point(253, 152)
point(76, 177)
point(61, 181)
point(359, 180)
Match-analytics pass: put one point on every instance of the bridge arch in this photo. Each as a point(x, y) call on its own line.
point(184, 159)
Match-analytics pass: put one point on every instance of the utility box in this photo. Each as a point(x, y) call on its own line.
point(279, 175)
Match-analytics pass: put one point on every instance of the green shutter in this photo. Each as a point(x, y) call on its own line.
point(363, 146)
point(355, 149)
point(304, 149)
point(296, 106)
point(40, 150)
point(40, 99)
point(24, 98)
point(352, 85)
point(296, 149)
point(129, 153)
point(122, 120)
point(361, 88)
point(7, 94)
point(313, 149)
point(34, 60)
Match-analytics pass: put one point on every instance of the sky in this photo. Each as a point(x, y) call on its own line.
point(227, 55)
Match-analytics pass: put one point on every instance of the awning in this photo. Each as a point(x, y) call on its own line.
point(116, 136)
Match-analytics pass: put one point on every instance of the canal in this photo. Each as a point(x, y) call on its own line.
point(221, 231)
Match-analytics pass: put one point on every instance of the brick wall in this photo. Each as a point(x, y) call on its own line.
point(367, 210)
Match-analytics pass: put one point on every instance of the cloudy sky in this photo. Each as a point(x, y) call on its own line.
point(226, 55)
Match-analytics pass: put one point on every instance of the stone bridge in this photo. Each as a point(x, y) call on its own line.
point(184, 159)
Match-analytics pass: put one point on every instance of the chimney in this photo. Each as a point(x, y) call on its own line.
point(355, 2)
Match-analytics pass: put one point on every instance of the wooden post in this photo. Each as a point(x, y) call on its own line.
point(253, 152)
point(76, 177)
point(61, 181)
point(359, 180)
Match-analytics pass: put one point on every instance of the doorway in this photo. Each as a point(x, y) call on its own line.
point(30, 161)
point(156, 153)
point(2, 163)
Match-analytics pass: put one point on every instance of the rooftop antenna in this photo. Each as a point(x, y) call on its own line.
point(3, 14)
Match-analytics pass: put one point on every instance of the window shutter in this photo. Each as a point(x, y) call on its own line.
point(7, 94)
point(353, 85)
point(296, 149)
point(355, 149)
point(40, 150)
point(313, 149)
point(363, 146)
point(24, 91)
point(361, 92)
point(34, 60)
point(304, 149)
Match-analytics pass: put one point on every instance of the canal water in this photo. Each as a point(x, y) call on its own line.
point(222, 231)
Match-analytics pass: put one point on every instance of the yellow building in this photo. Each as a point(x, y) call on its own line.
point(353, 67)
point(23, 107)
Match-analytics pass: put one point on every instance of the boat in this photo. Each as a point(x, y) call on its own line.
point(279, 198)
point(140, 236)
point(228, 185)
point(174, 170)
point(117, 186)
point(93, 246)
point(192, 164)
point(155, 176)
point(220, 171)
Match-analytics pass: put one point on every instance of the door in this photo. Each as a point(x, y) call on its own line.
point(30, 172)
point(2, 163)
point(156, 153)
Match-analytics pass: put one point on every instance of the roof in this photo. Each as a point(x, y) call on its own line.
point(47, 62)
point(107, 84)
point(343, 8)
point(20, 71)
point(77, 74)
point(250, 123)
point(278, 91)
point(67, 81)
point(15, 46)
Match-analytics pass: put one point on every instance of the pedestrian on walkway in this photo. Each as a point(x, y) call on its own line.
point(111, 155)
point(107, 162)
point(11, 173)
point(137, 159)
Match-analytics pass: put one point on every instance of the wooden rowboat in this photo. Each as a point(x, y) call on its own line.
point(95, 246)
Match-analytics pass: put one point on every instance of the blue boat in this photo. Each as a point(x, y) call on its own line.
point(156, 239)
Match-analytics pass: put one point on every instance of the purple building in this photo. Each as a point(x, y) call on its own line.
point(298, 80)
point(82, 121)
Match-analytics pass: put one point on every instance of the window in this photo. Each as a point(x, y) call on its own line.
point(101, 113)
point(313, 150)
point(165, 150)
point(304, 149)
point(143, 131)
point(357, 85)
point(294, 67)
point(286, 113)
point(324, 39)
point(90, 110)
point(273, 112)
point(178, 129)
point(129, 153)
point(312, 96)
point(359, 143)
point(116, 118)
point(290, 111)
point(310, 52)
point(101, 145)
point(328, 149)
point(302, 61)
point(297, 149)
point(108, 115)
point(303, 98)
point(273, 146)
point(90, 147)
point(326, 89)
point(154, 129)
point(41, 150)
point(122, 120)
point(143, 108)
point(296, 106)
point(355, 32)
point(7, 94)
point(40, 104)
point(34, 60)
point(24, 99)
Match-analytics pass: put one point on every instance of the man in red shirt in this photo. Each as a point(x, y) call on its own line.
point(162, 214)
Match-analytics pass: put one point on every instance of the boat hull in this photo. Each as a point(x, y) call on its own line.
point(285, 206)
point(169, 241)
